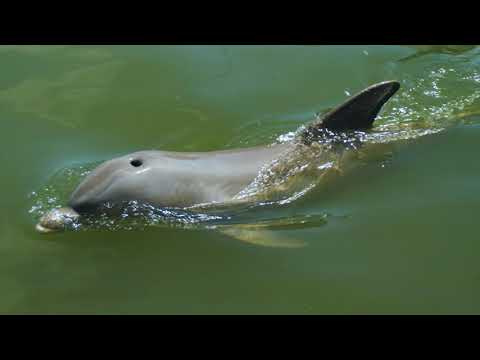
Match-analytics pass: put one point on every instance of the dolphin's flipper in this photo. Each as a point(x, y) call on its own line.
point(261, 237)
point(357, 113)
point(265, 232)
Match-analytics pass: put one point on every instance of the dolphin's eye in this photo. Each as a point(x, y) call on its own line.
point(136, 163)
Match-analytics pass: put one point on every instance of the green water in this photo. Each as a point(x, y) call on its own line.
point(401, 235)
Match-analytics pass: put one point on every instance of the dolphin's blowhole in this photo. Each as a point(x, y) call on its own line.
point(136, 163)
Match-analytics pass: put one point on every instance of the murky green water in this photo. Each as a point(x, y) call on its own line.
point(401, 234)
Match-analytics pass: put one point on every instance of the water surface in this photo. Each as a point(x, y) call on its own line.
point(401, 234)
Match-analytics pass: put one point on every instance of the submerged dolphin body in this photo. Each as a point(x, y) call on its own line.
point(177, 179)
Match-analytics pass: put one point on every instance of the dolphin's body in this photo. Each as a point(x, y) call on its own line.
point(175, 179)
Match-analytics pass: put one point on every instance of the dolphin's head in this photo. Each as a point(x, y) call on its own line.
point(120, 179)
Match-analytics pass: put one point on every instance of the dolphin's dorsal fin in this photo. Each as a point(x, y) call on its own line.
point(357, 113)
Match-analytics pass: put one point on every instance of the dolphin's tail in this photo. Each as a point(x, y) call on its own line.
point(357, 113)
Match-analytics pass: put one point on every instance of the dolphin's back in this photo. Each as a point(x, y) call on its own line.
point(244, 162)
point(214, 176)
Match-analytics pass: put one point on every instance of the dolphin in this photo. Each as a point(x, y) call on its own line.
point(185, 179)
point(196, 179)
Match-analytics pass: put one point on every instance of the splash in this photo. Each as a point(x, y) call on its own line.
point(291, 175)
point(56, 192)
point(428, 104)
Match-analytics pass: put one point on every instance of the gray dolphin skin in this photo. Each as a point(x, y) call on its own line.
point(184, 179)
point(173, 179)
